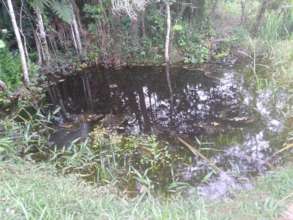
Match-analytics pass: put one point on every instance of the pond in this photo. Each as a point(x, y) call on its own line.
point(213, 109)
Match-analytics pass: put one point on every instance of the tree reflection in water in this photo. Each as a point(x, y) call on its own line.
point(154, 99)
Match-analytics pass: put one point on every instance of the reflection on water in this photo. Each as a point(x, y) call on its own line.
point(140, 100)
point(185, 103)
point(223, 185)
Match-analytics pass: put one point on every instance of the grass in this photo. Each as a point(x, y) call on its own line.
point(37, 192)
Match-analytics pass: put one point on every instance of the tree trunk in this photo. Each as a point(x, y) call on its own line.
point(167, 59)
point(260, 15)
point(38, 47)
point(76, 31)
point(19, 43)
point(167, 40)
point(45, 55)
point(22, 34)
point(243, 15)
point(77, 35)
point(143, 32)
point(74, 38)
point(134, 33)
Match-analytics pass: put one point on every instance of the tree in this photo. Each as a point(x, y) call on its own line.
point(66, 10)
point(41, 37)
point(23, 59)
point(243, 16)
point(260, 15)
point(40, 33)
point(75, 30)
point(168, 32)
point(130, 7)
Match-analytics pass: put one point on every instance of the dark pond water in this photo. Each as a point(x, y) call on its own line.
point(140, 100)
point(237, 128)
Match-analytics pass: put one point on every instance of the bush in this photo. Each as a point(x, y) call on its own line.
point(10, 67)
point(191, 43)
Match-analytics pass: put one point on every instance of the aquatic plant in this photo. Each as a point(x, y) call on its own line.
point(135, 155)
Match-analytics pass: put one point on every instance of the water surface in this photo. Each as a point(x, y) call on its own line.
point(214, 108)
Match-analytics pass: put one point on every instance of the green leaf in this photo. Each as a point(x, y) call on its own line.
point(2, 44)
point(2, 150)
point(40, 4)
point(177, 28)
point(63, 10)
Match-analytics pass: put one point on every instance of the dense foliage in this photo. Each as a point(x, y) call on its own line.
point(58, 31)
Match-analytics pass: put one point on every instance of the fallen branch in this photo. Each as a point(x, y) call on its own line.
point(197, 153)
point(287, 147)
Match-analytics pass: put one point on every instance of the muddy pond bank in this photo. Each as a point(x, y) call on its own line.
point(234, 126)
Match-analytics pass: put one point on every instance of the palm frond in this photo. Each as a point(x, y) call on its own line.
point(40, 4)
point(63, 9)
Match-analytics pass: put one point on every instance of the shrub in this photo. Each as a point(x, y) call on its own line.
point(10, 67)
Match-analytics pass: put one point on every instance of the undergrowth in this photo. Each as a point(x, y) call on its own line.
point(38, 192)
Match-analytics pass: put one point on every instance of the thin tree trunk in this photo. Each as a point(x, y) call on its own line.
point(134, 33)
point(143, 24)
point(147, 124)
point(19, 43)
point(77, 35)
point(45, 55)
point(167, 58)
point(73, 37)
point(243, 16)
point(76, 31)
point(77, 15)
point(167, 40)
point(260, 15)
point(22, 34)
point(169, 82)
point(39, 50)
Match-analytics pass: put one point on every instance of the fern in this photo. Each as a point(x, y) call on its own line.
point(40, 4)
point(63, 9)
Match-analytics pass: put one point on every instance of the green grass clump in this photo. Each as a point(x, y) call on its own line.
point(37, 192)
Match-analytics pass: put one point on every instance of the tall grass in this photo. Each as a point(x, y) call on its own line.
point(277, 26)
point(38, 192)
point(272, 30)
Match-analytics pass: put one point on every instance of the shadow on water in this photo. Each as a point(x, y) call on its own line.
point(140, 101)
point(234, 126)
